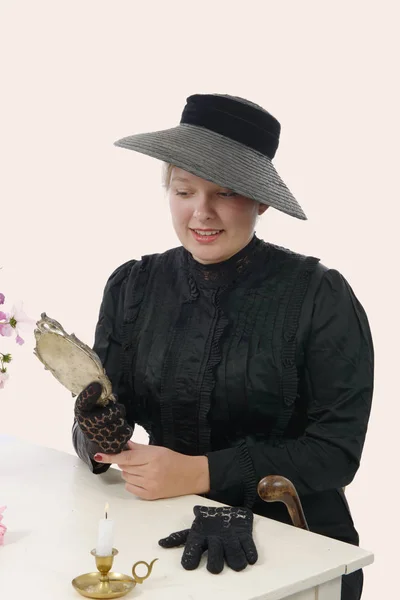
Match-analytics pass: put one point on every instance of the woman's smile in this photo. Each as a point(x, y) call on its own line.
point(206, 236)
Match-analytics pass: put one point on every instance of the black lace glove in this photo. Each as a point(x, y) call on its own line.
point(105, 426)
point(224, 531)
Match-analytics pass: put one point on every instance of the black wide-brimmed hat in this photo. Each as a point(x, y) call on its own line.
point(227, 140)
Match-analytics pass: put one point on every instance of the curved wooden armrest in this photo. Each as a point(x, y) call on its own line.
point(275, 488)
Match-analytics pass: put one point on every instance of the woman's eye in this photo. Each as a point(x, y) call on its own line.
point(228, 194)
point(223, 194)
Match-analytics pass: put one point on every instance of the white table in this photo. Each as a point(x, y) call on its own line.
point(54, 504)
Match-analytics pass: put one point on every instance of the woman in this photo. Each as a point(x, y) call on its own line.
point(240, 358)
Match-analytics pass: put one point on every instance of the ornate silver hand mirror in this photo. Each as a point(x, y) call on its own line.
point(72, 363)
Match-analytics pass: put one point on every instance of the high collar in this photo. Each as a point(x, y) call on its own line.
point(224, 273)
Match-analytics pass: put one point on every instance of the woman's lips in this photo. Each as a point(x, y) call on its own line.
point(206, 237)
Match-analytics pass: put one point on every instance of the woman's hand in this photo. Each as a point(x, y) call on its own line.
point(153, 472)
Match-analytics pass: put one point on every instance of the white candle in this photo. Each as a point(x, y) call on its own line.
point(105, 535)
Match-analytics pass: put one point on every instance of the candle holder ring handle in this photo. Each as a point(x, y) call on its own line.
point(138, 578)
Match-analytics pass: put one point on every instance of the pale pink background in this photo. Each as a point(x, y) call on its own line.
point(77, 75)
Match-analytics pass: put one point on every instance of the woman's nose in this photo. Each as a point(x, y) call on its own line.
point(203, 209)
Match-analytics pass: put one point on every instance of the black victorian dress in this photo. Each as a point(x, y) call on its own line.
point(264, 363)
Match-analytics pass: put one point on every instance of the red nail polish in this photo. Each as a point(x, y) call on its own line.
point(98, 457)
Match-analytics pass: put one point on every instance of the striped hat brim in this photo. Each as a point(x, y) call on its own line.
point(220, 160)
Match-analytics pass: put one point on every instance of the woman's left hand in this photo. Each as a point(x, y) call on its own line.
point(153, 472)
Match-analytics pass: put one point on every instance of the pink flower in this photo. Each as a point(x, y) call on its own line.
point(19, 340)
point(3, 528)
point(3, 316)
point(3, 379)
point(6, 330)
point(2, 298)
point(20, 320)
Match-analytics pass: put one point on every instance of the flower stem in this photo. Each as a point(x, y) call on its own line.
point(4, 358)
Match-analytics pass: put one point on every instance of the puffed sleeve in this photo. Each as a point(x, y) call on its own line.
point(107, 345)
point(337, 387)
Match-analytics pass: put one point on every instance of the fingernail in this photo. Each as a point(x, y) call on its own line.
point(98, 457)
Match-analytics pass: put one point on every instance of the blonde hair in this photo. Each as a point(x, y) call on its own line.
point(166, 175)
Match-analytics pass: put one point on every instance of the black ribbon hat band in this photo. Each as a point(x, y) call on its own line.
point(244, 123)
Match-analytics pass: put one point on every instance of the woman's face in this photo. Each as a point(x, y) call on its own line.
point(211, 222)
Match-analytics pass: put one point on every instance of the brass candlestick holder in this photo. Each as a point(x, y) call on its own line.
point(106, 584)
